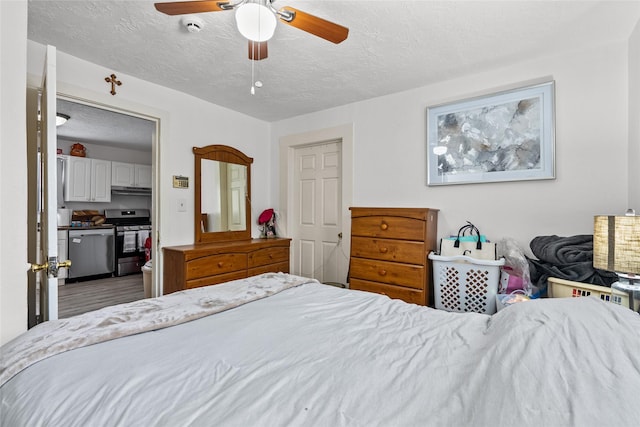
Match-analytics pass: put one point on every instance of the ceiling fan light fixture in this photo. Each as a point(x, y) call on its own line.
point(255, 21)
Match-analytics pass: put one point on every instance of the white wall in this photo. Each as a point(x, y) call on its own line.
point(591, 147)
point(634, 119)
point(13, 164)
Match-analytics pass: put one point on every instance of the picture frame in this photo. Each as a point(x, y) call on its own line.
point(504, 136)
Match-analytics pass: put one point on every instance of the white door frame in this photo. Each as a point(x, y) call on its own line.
point(140, 112)
point(161, 118)
point(288, 144)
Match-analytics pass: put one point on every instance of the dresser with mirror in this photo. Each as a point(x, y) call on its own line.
point(223, 249)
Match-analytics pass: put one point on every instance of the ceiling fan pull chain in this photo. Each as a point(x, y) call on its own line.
point(253, 61)
point(253, 86)
point(254, 83)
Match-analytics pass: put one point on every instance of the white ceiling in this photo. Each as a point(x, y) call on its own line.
point(108, 128)
point(393, 45)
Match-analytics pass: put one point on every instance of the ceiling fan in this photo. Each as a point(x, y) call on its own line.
point(256, 20)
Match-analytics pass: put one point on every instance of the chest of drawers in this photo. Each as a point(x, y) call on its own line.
point(389, 248)
point(192, 266)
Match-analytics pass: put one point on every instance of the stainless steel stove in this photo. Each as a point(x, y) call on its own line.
point(133, 226)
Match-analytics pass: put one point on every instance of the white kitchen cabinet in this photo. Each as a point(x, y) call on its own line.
point(63, 252)
point(122, 174)
point(130, 175)
point(87, 180)
point(100, 180)
point(77, 179)
point(143, 176)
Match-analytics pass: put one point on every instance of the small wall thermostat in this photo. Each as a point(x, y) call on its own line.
point(180, 181)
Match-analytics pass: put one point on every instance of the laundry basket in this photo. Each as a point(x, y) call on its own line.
point(465, 284)
point(561, 288)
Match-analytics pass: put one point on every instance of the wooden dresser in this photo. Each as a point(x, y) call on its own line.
point(389, 248)
point(203, 264)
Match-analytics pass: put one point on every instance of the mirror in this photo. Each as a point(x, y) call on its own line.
point(222, 194)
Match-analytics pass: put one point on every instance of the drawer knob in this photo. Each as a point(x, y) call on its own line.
point(384, 250)
point(270, 256)
point(220, 264)
point(384, 226)
point(382, 272)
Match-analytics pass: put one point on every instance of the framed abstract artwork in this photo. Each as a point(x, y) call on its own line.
point(505, 136)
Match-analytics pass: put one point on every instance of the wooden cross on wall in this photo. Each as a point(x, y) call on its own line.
point(114, 81)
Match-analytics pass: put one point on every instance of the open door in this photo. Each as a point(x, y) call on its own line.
point(46, 265)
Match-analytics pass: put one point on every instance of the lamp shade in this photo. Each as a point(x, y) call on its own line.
point(616, 243)
point(255, 22)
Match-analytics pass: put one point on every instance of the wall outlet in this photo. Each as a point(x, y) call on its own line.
point(182, 205)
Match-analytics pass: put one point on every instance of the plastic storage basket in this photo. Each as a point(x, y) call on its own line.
point(465, 284)
point(561, 288)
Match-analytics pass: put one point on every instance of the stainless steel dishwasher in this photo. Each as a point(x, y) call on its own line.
point(91, 252)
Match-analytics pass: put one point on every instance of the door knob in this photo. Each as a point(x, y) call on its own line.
point(51, 267)
point(64, 264)
point(38, 267)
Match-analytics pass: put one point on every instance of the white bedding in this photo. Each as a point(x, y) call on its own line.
point(145, 315)
point(316, 355)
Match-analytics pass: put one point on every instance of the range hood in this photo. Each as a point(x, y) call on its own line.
point(130, 191)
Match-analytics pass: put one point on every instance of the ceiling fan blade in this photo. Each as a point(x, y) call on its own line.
point(312, 24)
point(184, 7)
point(257, 50)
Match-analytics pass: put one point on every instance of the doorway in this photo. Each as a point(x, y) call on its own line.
point(110, 134)
point(317, 231)
point(124, 142)
point(315, 194)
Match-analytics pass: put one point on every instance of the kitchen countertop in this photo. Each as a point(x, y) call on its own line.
point(91, 227)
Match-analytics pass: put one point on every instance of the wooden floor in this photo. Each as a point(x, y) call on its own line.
point(80, 297)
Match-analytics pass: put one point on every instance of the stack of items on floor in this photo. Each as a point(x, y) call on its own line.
point(472, 274)
point(569, 258)
point(466, 272)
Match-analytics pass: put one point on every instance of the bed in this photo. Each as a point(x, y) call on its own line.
point(283, 350)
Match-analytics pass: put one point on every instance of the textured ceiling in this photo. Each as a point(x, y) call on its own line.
point(99, 126)
point(392, 46)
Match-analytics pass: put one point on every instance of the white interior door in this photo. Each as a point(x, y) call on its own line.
point(46, 264)
point(317, 211)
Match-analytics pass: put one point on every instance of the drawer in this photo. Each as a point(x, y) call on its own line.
point(389, 250)
point(214, 280)
point(389, 227)
point(215, 264)
point(268, 256)
point(272, 268)
point(393, 273)
point(396, 292)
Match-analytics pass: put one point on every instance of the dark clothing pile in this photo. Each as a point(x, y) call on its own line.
point(569, 258)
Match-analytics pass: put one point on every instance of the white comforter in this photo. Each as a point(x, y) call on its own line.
point(316, 355)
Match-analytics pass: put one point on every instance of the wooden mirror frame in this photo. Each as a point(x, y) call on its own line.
point(221, 153)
